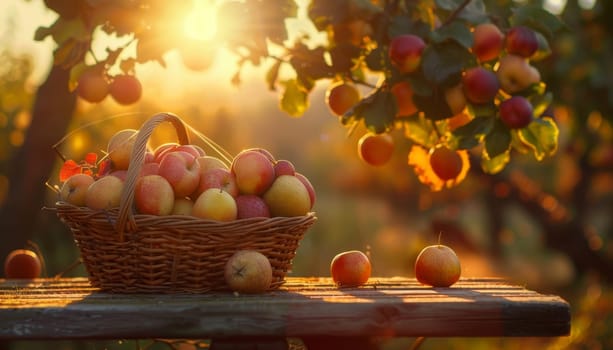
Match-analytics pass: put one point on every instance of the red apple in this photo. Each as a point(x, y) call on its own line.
point(488, 41)
point(480, 85)
point(516, 112)
point(217, 178)
point(310, 189)
point(215, 204)
point(149, 169)
point(23, 264)
point(161, 150)
point(446, 163)
point(254, 172)
point(341, 96)
point(284, 167)
point(251, 206)
point(405, 52)
point(125, 89)
point(182, 172)
point(153, 195)
point(248, 271)
point(437, 266)
point(210, 162)
point(74, 189)
point(521, 41)
point(350, 269)
point(92, 85)
point(376, 149)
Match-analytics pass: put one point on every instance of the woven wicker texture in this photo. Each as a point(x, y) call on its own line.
point(125, 252)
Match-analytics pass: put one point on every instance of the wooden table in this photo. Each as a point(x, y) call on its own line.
point(69, 308)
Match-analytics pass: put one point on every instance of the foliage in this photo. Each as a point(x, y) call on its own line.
point(358, 35)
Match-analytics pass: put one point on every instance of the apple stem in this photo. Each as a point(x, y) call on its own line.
point(439, 237)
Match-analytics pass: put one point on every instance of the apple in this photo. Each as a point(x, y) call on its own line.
point(194, 150)
point(149, 169)
point(182, 172)
point(284, 167)
point(480, 85)
point(120, 174)
point(287, 196)
point(516, 74)
point(253, 170)
point(521, 41)
point(376, 149)
point(182, 206)
point(350, 269)
point(488, 41)
point(437, 266)
point(248, 271)
point(251, 206)
point(210, 162)
point(153, 195)
point(119, 148)
point(73, 190)
point(104, 193)
point(23, 264)
point(341, 96)
point(161, 150)
point(92, 85)
point(446, 163)
point(217, 178)
point(516, 112)
point(405, 52)
point(310, 188)
point(125, 89)
point(455, 98)
point(215, 204)
point(403, 94)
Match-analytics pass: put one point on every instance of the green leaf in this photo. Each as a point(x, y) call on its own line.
point(378, 111)
point(272, 74)
point(537, 18)
point(496, 164)
point(542, 136)
point(473, 12)
point(456, 31)
point(498, 140)
point(376, 59)
point(469, 135)
point(63, 29)
point(445, 62)
point(295, 99)
point(421, 131)
point(540, 103)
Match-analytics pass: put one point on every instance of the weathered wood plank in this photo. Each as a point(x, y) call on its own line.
point(72, 309)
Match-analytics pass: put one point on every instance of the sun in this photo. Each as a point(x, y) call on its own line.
point(201, 23)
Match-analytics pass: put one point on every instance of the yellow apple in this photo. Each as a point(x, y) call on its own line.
point(74, 189)
point(287, 196)
point(120, 147)
point(215, 204)
point(248, 271)
point(104, 193)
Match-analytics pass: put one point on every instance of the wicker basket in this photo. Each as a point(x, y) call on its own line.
point(125, 252)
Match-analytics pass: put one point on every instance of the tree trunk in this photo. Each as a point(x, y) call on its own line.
point(32, 164)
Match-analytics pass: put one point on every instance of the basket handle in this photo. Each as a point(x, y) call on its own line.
point(125, 218)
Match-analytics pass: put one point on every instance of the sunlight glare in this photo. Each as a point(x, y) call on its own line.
point(202, 22)
point(555, 6)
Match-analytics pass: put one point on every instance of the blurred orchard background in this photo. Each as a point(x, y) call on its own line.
point(546, 225)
